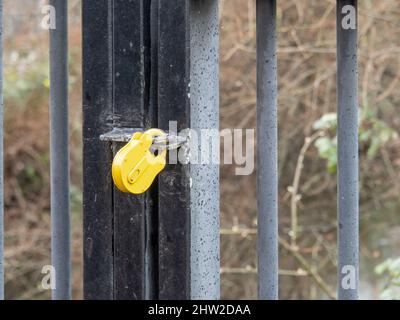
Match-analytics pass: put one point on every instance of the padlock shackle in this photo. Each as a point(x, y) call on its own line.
point(153, 133)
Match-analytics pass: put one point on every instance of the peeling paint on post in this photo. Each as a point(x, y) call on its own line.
point(348, 198)
point(204, 193)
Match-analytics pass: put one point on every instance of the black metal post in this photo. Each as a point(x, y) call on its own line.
point(97, 156)
point(174, 182)
point(131, 74)
point(136, 76)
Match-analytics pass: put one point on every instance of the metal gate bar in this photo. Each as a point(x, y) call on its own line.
point(174, 182)
point(204, 114)
point(348, 197)
point(267, 150)
point(59, 153)
point(184, 55)
point(1, 159)
point(130, 110)
point(97, 75)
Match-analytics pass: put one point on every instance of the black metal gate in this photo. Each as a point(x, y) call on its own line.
point(136, 75)
point(147, 63)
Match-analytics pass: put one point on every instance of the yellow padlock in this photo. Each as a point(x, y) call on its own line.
point(135, 167)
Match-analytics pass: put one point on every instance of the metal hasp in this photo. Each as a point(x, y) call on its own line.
point(141, 246)
point(59, 152)
point(1, 160)
point(119, 134)
point(348, 190)
point(267, 150)
point(169, 142)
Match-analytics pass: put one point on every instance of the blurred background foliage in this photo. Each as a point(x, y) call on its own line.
point(307, 104)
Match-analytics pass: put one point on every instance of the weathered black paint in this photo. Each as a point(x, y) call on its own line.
point(97, 156)
point(136, 75)
point(131, 67)
point(174, 189)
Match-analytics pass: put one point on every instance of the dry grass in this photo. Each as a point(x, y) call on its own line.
point(307, 90)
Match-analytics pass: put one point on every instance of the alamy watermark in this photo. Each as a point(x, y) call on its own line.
point(215, 147)
point(49, 21)
point(349, 21)
point(49, 278)
point(348, 277)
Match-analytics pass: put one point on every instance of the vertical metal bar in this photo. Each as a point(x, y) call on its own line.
point(60, 244)
point(174, 181)
point(348, 199)
point(1, 159)
point(267, 150)
point(152, 214)
point(204, 114)
point(120, 259)
point(131, 73)
point(97, 99)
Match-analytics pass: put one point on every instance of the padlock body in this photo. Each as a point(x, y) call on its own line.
point(135, 167)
